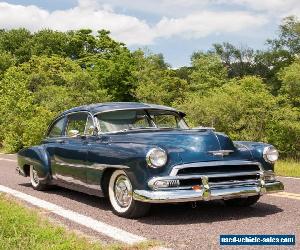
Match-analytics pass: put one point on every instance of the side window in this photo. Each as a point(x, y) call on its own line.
point(89, 128)
point(76, 124)
point(166, 121)
point(57, 128)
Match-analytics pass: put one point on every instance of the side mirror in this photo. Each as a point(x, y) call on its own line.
point(92, 130)
point(73, 133)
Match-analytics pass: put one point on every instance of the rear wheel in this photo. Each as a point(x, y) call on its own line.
point(242, 202)
point(35, 181)
point(120, 196)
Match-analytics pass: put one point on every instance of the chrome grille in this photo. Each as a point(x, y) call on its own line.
point(217, 173)
point(206, 170)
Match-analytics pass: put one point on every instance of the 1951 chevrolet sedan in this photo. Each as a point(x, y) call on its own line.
point(137, 154)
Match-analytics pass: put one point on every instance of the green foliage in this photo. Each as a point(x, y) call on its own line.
point(240, 108)
point(111, 67)
point(208, 72)
point(238, 61)
point(288, 167)
point(289, 36)
point(6, 61)
point(155, 82)
point(290, 77)
point(16, 42)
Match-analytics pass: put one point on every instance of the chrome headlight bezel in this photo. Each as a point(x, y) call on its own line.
point(156, 157)
point(270, 154)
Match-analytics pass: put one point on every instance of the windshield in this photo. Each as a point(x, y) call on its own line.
point(125, 120)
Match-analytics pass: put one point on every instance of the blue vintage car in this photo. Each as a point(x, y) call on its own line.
point(137, 154)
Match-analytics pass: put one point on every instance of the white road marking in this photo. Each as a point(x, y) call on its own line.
point(293, 196)
point(289, 177)
point(5, 159)
point(98, 226)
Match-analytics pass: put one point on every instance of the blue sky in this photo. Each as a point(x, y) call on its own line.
point(175, 28)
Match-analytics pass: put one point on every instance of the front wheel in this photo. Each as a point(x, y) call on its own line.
point(35, 181)
point(242, 202)
point(120, 196)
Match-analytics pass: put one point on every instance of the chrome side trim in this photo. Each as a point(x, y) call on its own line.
point(221, 152)
point(96, 166)
point(175, 169)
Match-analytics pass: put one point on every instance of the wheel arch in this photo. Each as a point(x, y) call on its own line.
point(38, 157)
point(105, 180)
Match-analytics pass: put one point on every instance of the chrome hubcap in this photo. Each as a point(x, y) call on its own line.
point(123, 191)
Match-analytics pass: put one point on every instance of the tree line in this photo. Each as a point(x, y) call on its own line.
point(248, 94)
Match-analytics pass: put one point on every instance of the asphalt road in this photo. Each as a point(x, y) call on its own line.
point(177, 226)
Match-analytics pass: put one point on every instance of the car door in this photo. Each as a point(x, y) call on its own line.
point(54, 138)
point(71, 152)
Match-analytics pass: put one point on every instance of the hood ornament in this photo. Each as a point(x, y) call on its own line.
point(221, 152)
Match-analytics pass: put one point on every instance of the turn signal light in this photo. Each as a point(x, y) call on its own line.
point(197, 188)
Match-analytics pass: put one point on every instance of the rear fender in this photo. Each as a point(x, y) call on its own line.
point(38, 157)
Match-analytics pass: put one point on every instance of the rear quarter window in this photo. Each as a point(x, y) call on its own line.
point(57, 128)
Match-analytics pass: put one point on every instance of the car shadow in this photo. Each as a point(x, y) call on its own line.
point(90, 200)
point(205, 212)
point(175, 214)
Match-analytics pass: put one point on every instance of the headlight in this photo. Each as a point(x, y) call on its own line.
point(156, 158)
point(270, 154)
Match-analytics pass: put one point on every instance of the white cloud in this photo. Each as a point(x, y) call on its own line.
point(271, 6)
point(182, 7)
point(204, 23)
point(127, 28)
point(88, 14)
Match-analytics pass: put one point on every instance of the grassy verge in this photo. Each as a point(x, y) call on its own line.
point(288, 168)
point(23, 228)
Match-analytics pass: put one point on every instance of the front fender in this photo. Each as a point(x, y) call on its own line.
point(38, 157)
point(256, 149)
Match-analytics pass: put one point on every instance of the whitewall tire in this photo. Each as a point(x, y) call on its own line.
point(120, 196)
point(35, 180)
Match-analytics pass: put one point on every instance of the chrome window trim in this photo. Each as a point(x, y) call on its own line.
point(175, 169)
point(146, 110)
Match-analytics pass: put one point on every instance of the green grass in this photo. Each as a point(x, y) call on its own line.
point(24, 228)
point(288, 167)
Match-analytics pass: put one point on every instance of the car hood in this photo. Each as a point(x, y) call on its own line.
point(190, 145)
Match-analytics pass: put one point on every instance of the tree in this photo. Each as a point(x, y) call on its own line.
point(111, 65)
point(289, 36)
point(155, 81)
point(208, 72)
point(6, 61)
point(290, 77)
point(16, 42)
point(49, 42)
point(238, 61)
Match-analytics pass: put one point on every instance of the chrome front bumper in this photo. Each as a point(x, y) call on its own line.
point(208, 193)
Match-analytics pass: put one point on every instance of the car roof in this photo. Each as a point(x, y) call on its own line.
point(113, 106)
